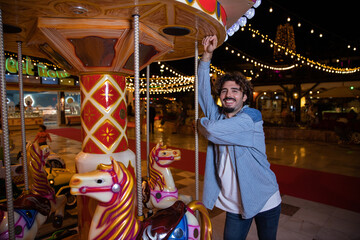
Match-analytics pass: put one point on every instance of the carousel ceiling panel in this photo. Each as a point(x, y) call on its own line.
point(108, 48)
point(170, 26)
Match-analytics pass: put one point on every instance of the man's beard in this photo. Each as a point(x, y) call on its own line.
point(228, 110)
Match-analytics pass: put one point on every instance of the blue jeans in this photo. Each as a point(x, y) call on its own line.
point(237, 228)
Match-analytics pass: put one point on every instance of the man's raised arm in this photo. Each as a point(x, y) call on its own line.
point(205, 99)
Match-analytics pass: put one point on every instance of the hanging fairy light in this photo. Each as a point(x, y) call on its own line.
point(312, 29)
point(309, 62)
point(256, 62)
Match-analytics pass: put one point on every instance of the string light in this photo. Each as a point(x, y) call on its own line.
point(312, 30)
point(303, 59)
point(163, 85)
point(35, 61)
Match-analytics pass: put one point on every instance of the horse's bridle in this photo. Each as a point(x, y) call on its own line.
point(157, 158)
point(115, 188)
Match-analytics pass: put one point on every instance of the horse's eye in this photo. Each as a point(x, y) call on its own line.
point(164, 153)
point(99, 181)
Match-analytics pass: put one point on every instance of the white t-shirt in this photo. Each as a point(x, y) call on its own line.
point(229, 198)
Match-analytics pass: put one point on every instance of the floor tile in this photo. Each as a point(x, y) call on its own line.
point(288, 209)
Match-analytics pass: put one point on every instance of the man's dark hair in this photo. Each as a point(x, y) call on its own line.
point(239, 79)
point(43, 127)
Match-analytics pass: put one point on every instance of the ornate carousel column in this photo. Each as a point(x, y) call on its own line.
point(103, 128)
point(103, 121)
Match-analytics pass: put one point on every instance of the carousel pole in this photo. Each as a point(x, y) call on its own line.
point(22, 116)
point(137, 116)
point(196, 119)
point(147, 120)
point(5, 129)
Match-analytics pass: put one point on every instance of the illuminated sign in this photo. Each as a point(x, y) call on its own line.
point(29, 68)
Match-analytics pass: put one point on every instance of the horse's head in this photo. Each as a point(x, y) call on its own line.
point(43, 151)
point(164, 156)
point(103, 184)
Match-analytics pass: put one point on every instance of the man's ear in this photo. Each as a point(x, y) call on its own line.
point(244, 98)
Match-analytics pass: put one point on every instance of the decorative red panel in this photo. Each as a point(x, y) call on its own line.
point(106, 95)
point(90, 115)
point(120, 114)
point(91, 147)
point(107, 134)
point(89, 81)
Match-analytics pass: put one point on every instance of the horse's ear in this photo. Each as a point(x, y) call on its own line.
point(114, 164)
point(158, 145)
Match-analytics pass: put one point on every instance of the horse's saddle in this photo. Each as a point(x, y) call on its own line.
point(31, 202)
point(163, 223)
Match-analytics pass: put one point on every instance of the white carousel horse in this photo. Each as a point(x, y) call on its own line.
point(30, 212)
point(160, 190)
point(32, 209)
point(113, 186)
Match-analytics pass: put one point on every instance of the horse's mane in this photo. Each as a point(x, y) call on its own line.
point(156, 177)
point(40, 184)
point(119, 218)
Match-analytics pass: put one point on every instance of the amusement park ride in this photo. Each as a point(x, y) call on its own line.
point(102, 42)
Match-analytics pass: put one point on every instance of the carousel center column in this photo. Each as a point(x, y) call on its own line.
point(103, 121)
point(103, 128)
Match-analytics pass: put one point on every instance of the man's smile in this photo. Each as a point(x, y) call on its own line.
point(229, 101)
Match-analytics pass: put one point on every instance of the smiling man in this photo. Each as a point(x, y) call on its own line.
point(238, 178)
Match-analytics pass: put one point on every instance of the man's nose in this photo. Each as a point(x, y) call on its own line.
point(228, 94)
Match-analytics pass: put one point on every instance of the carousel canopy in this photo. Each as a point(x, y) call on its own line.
point(88, 36)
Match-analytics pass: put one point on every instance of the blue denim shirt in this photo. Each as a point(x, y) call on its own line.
point(244, 136)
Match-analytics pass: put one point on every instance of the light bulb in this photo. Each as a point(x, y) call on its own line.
point(242, 21)
point(230, 31)
point(250, 13)
point(257, 3)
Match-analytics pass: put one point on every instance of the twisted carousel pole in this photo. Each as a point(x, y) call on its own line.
point(5, 129)
point(196, 119)
point(137, 115)
point(147, 120)
point(22, 116)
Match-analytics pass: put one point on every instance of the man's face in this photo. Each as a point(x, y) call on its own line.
point(232, 98)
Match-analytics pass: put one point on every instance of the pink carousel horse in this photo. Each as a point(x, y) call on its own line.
point(114, 218)
point(160, 190)
point(32, 209)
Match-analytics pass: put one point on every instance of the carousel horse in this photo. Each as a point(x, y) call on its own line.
point(32, 208)
point(113, 186)
point(30, 212)
point(39, 182)
point(160, 190)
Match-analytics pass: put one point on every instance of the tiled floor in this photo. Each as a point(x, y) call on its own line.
point(300, 219)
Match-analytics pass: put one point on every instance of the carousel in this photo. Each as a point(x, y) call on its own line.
point(102, 42)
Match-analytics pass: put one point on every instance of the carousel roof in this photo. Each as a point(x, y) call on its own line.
point(85, 36)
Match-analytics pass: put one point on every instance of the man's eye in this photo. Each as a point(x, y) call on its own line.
point(223, 91)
